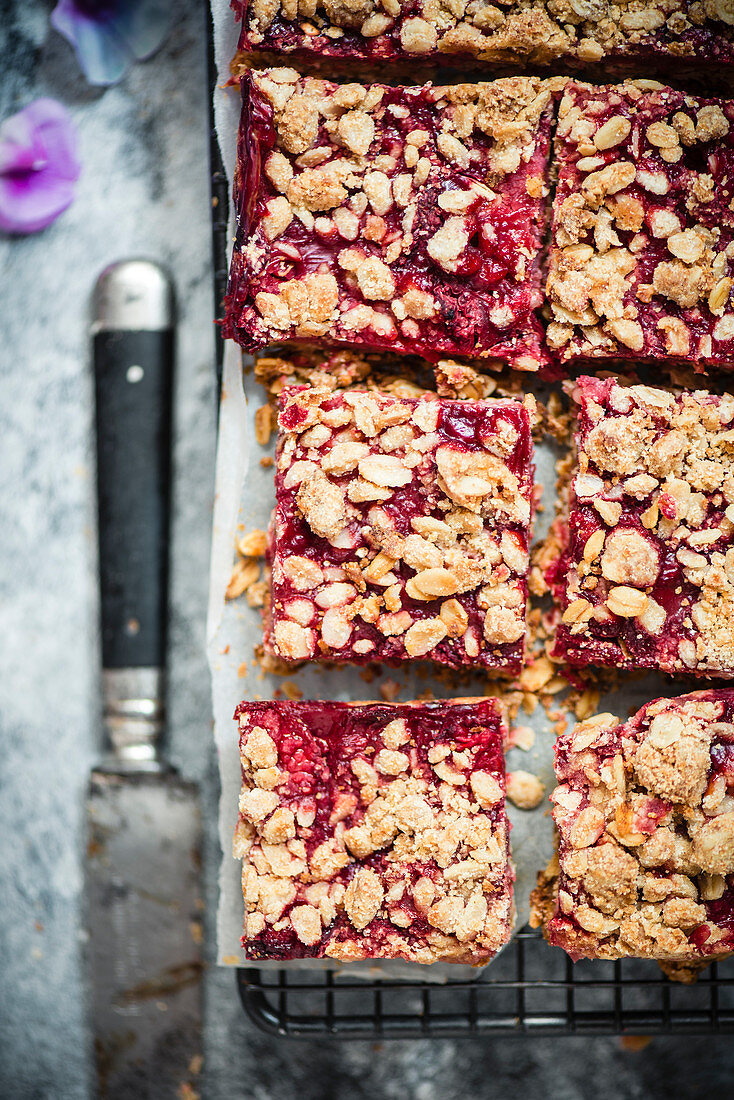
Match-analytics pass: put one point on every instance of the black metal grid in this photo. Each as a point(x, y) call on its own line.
point(529, 989)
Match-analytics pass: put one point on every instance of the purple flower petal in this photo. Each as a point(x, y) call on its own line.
point(109, 35)
point(39, 166)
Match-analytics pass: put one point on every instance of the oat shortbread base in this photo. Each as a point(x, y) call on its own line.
point(646, 576)
point(642, 257)
point(374, 831)
point(522, 32)
point(400, 530)
point(645, 819)
point(399, 219)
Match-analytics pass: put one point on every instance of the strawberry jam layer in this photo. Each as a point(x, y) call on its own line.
point(533, 32)
point(641, 266)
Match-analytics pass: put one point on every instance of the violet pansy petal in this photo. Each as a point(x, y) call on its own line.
point(109, 39)
point(18, 155)
point(39, 166)
point(54, 136)
point(21, 148)
point(28, 209)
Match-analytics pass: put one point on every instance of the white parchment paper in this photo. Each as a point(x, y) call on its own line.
point(244, 499)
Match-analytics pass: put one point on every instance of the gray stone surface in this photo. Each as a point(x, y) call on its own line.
point(145, 191)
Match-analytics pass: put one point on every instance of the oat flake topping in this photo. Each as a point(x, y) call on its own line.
point(643, 227)
point(666, 33)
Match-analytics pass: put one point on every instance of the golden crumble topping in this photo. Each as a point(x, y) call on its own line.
point(401, 529)
point(408, 219)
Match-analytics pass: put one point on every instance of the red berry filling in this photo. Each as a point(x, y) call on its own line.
point(646, 576)
point(643, 232)
point(534, 32)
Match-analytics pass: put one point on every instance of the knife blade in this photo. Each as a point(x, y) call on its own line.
point(142, 866)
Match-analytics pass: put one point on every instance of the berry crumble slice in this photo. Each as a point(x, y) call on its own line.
point(646, 576)
point(645, 818)
point(400, 529)
point(669, 33)
point(406, 219)
point(371, 831)
point(643, 227)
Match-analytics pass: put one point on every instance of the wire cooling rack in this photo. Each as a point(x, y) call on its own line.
point(529, 989)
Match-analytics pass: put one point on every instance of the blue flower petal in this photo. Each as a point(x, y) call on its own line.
point(103, 56)
point(109, 36)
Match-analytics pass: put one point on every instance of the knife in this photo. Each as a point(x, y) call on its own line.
point(143, 825)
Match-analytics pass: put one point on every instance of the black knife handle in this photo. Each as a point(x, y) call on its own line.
point(133, 371)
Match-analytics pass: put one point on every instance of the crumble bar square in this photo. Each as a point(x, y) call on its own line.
point(643, 227)
point(645, 818)
point(400, 530)
point(646, 577)
point(374, 830)
point(669, 34)
point(406, 219)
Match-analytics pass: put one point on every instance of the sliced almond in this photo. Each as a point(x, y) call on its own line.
point(253, 544)
point(454, 618)
point(609, 510)
point(627, 332)
point(626, 602)
point(594, 546)
point(385, 470)
point(424, 636)
point(430, 583)
point(536, 675)
point(263, 424)
point(719, 296)
point(577, 611)
point(378, 568)
point(244, 574)
point(612, 132)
